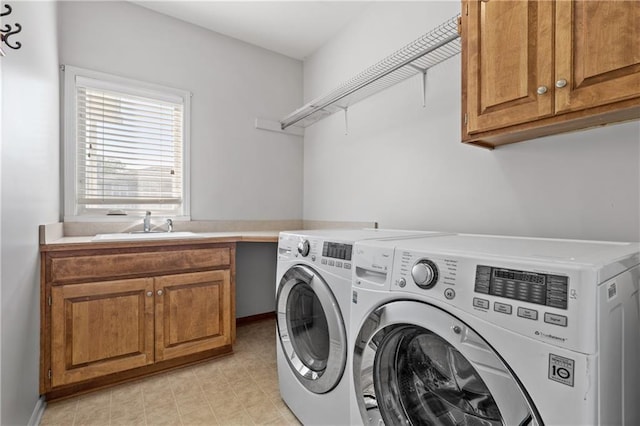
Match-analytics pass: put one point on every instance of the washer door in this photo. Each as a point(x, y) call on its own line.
point(415, 364)
point(311, 329)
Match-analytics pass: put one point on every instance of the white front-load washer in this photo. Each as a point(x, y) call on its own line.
point(488, 330)
point(313, 296)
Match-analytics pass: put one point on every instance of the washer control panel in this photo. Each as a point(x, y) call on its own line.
point(534, 302)
point(534, 287)
point(553, 291)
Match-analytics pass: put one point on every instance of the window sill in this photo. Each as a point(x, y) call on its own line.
point(124, 218)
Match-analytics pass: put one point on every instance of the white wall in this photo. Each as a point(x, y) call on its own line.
point(404, 165)
point(30, 194)
point(237, 172)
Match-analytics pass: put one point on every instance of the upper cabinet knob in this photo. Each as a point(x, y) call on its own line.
point(561, 83)
point(542, 90)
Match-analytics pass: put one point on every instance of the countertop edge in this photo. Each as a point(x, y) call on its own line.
point(85, 243)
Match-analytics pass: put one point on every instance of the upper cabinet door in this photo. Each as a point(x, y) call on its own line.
point(597, 53)
point(509, 75)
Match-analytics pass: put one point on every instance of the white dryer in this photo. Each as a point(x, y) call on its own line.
point(484, 330)
point(313, 295)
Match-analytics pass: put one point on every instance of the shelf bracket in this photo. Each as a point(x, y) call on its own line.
point(274, 126)
point(424, 83)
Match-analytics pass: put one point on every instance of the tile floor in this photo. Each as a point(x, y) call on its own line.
point(240, 389)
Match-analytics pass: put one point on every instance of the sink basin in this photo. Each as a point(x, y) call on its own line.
point(137, 236)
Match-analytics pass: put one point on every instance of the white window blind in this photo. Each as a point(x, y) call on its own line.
point(129, 148)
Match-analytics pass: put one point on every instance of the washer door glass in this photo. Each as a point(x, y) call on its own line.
point(434, 383)
point(311, 329)
point(415, 364)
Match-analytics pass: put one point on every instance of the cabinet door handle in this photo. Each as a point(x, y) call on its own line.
point(149, 293)
point(561, 83)
point(542, 90)
point(160, 292)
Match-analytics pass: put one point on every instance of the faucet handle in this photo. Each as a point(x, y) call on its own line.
point(148, 213)
point(169, 225)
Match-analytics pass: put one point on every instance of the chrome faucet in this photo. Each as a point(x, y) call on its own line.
point(169, 225)
point(146, 222)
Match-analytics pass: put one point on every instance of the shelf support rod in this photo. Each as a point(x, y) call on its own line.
point(424, 83)
point(346, 121)
point(424, 88)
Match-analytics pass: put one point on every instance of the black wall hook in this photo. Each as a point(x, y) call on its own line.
point(7, 31)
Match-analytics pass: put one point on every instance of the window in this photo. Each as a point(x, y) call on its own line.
point(126, 147)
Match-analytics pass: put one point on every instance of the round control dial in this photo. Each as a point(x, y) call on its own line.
point(304, 247)
point(425, 273)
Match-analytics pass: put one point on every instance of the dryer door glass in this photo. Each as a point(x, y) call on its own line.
point(311, 330)
point(416, 364)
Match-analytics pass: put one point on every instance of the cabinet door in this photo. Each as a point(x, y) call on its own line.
point(193, 313)
point(100, 328)
point(597, 53)
point(508, 57)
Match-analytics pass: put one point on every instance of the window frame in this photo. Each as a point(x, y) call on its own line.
point(69, 136)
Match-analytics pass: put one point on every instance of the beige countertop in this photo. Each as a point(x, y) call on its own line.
point(65, 236)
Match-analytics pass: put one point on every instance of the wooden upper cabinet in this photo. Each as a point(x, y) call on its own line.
point(101, 328)
point(597, 53)
point(509, 45)
point(537, 68)
point(193, 313)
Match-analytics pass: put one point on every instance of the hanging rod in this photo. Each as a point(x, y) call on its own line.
point(434, 47)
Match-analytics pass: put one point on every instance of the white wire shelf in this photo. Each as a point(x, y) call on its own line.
point(436, 46)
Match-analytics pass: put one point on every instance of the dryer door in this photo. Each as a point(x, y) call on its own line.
point(416, 364)
point(311, 329)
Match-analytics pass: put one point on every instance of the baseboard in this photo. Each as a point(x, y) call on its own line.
point(255, 318)
point(38, 411)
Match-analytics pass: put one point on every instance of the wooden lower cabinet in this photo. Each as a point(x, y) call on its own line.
point(192, 313)
point(97, 330)
point(100, 328)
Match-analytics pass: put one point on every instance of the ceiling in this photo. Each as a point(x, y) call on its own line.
point(292, 28)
